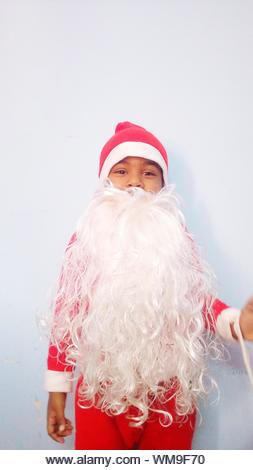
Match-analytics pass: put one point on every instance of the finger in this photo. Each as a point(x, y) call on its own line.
point(57, 438)
point(51, 424)
point(64, 427)
point(68, 424)
point(51, 428)
point(61, 425)
point(68, 421)
point(250, 302)
point(51, 420)
point(57, 435)
point(66, 433)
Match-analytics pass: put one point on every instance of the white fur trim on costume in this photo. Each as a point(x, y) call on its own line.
point(134, 149)
point(227, 317)
point(58, 381)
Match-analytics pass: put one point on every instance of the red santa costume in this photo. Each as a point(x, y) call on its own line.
point(134, 313)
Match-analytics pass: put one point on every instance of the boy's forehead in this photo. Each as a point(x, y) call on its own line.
point(142, 159)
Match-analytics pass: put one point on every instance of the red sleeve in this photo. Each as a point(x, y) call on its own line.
point(210, 318)
point(56, 360)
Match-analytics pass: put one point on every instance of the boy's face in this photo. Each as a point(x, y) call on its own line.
point(137, 171)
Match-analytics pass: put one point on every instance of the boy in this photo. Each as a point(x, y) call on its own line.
point(133, 300)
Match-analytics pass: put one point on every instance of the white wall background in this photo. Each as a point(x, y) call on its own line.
point(72, 69)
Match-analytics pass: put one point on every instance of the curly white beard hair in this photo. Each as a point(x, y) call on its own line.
point(131, 293)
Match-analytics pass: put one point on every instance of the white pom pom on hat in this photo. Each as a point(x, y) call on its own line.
point(132, 140)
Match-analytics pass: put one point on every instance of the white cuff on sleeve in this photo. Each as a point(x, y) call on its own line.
point(58, 381)
point(224, 320)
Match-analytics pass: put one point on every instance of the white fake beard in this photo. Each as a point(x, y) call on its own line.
point(132, 292)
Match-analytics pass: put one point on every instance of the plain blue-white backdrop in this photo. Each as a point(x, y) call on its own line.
point(72, 69)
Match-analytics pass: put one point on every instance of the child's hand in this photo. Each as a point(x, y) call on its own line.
point(58, 426)
point(246, 320)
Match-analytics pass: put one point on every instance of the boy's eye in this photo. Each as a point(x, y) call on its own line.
point(146, 172)
point(119, 171)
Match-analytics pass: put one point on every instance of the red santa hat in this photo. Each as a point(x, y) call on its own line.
point(132, 140)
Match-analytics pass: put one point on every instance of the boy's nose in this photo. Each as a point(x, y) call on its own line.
point(134, 180)
point(134, 184)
